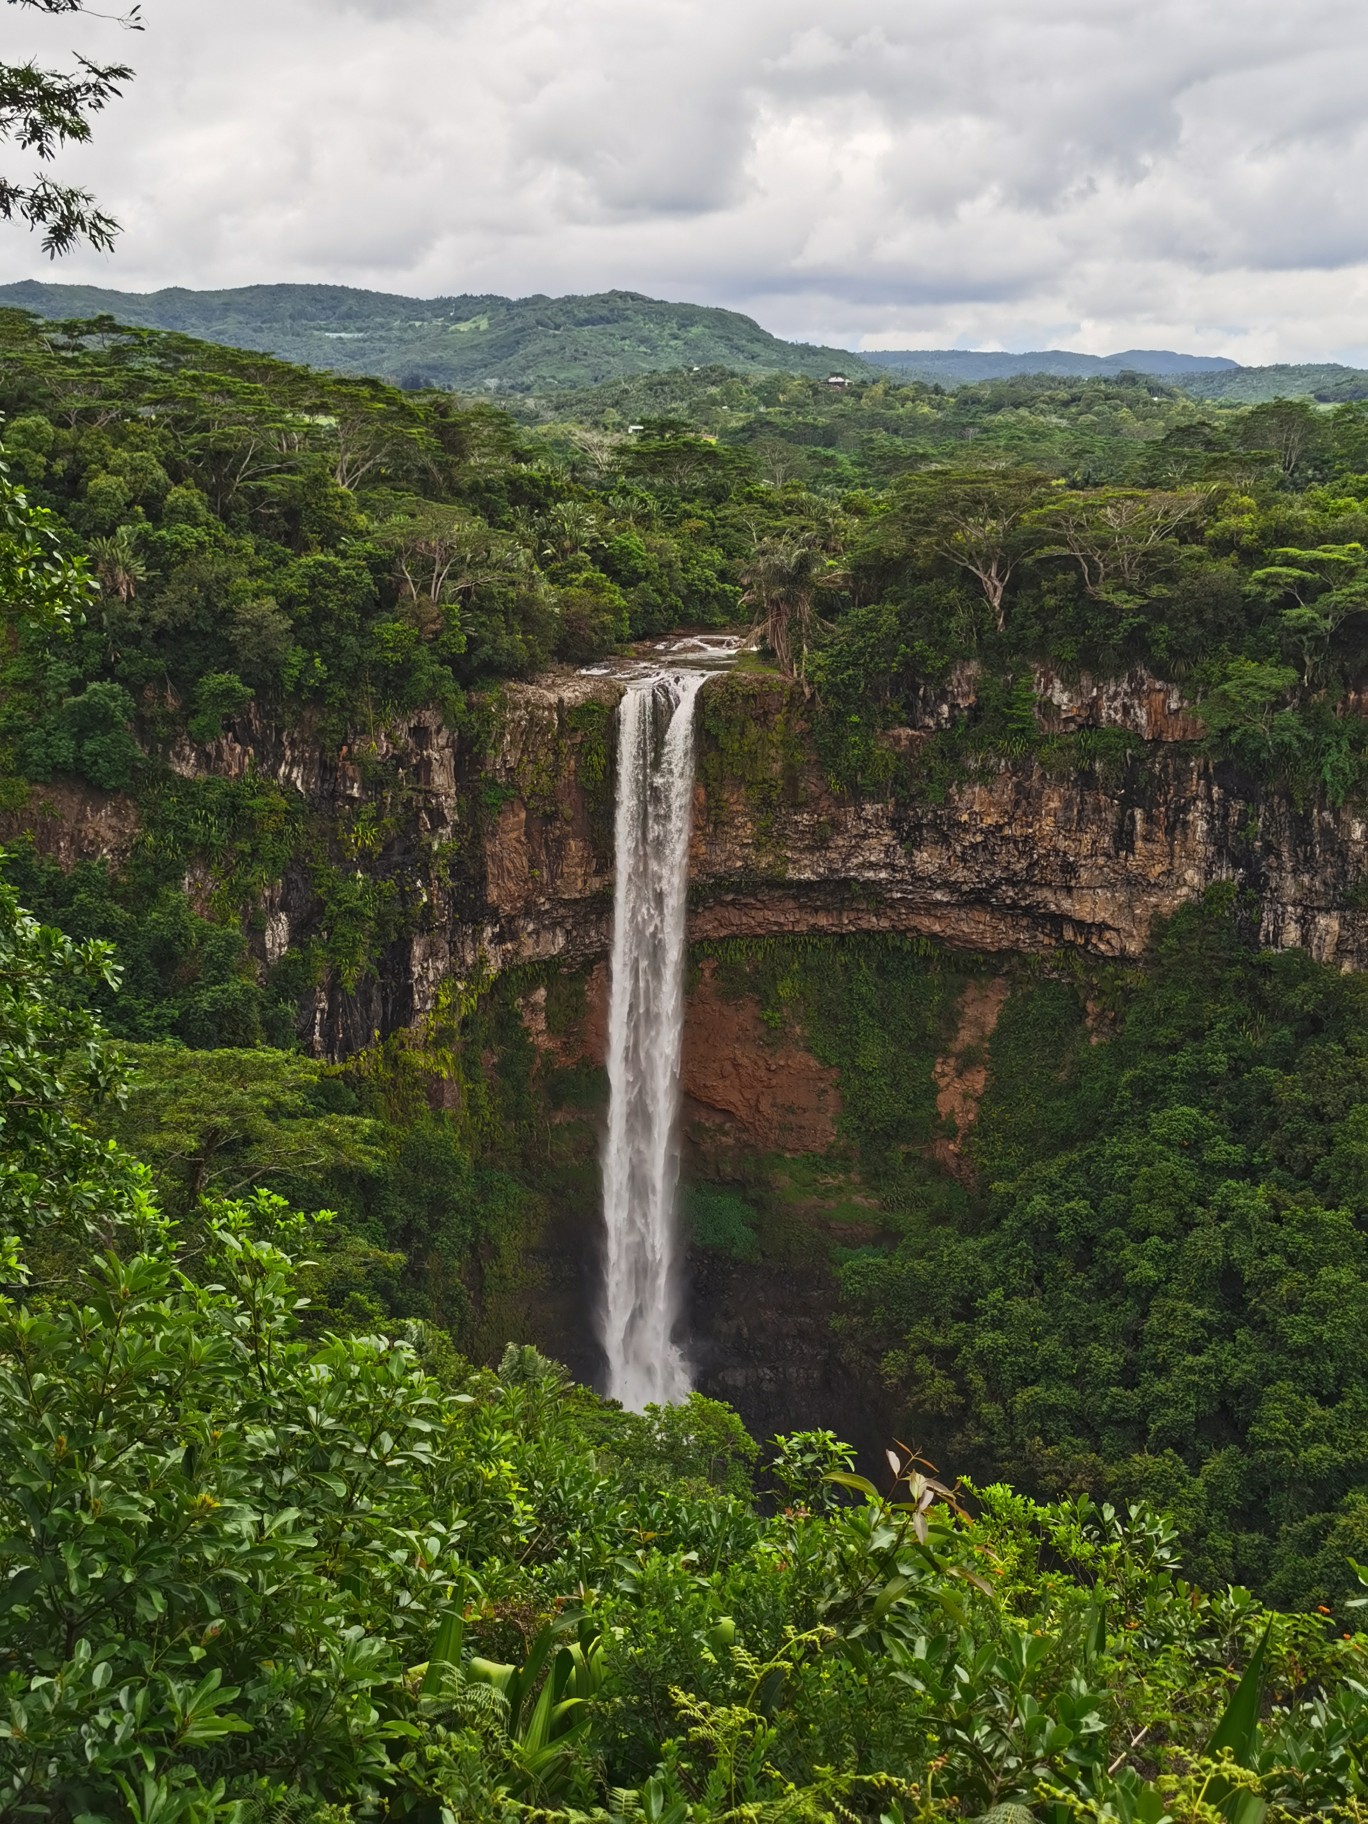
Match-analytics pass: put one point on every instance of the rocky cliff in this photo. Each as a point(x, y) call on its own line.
point(1020, 855)
point(490, 847)
point(497, 850)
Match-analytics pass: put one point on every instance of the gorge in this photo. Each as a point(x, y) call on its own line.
point(1020, 986)
point(598, 1225)
point(496, 866)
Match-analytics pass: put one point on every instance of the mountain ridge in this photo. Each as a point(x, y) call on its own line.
point(482, 341)
point(971, 364)
point(468, 341)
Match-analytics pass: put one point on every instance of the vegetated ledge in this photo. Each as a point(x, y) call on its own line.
point(502, 855)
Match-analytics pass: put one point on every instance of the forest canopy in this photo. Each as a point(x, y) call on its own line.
point(331, 1566)
point(263, 534)
point(251, 1569)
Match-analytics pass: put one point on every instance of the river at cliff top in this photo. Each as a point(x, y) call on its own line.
point(686, 652)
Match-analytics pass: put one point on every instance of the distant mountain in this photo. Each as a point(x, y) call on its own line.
point(526, 345)
point(964, 367)
point(1326, 381)
point(467, 342)
point(1204, 376)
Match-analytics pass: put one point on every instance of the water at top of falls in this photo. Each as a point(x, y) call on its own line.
point(642, 1301)
point(694, 651)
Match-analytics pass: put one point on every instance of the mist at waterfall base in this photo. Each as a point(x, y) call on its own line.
point(642, 1296)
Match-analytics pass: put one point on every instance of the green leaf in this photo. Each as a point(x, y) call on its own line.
point(1238, 1728)
point(722, 1635)
point(858, 1483)
point(888, 1595)
point(446, 1651)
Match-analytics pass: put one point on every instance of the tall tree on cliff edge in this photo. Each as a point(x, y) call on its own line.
point(41, 110)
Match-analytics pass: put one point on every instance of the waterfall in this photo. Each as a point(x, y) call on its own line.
point(645, 1032)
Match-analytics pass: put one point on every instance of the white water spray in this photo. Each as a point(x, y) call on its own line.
point(645, 1032)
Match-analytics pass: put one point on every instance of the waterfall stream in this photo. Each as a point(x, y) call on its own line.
point(645, 1031)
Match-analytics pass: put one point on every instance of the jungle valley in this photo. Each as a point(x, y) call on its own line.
point(1025, 1097)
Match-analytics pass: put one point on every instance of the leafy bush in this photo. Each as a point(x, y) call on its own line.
point(217, 694)
point(721, 1220)
point(89, 735)
point(250, 1573)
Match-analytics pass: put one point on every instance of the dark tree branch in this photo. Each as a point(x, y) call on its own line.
point(65, 214)
point(131, 20)
point(41, 111)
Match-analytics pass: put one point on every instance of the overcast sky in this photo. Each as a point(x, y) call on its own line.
point(1094, 174)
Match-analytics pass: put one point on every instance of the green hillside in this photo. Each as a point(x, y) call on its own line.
point(1202, 376)
point(466, 342)
point(477, 342)
point(1328, 381)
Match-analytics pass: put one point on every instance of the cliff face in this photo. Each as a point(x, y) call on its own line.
point(504, 855)
point(1021, 856)
point(495, 849)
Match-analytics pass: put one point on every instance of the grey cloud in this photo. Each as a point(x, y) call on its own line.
point(1106, 172)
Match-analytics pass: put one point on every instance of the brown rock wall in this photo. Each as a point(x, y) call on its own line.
point(961, 1076)
point(777, 1093)
point(766, 1087)
point(68, 823)
point(504, 857)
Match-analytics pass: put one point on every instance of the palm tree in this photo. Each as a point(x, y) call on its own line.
point(782, 584)
point(570, 528)
point(118, 565)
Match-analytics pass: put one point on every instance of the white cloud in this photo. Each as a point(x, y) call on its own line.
point(1088, 173)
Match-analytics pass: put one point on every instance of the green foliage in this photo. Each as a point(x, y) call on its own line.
point(217, 694)
point(89, 735)
point(1172, 1215)
point(310, 1573)
point(403, 549)
point(221, 1123)
point(56, 1177)
point(1243, 707)
point(38, 578)
point(1166, 1203)
point(42, 110)
point(258, 531)
point(182, 976)
point(721, 1220)
point(806, 1466)
point(749, 740)
point(251, 1572)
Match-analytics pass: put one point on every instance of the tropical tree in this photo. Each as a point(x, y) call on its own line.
point(225, 1123)
point(979, 521)
point(783, 582)
point(442, 555)
point(1115, 535)
point(1318, 590)
point(118, 564)
point(1247, 710)
point(570, 528)
point(1291, 429)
